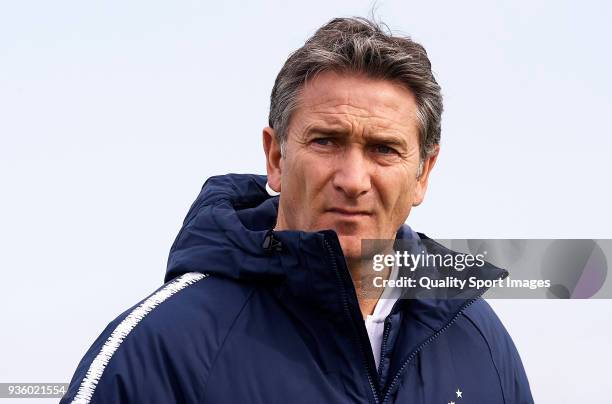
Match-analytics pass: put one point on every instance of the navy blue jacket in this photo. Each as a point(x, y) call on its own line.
point(252, 316)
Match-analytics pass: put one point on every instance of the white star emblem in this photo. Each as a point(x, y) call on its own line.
point(451, 402)
point(459, 393)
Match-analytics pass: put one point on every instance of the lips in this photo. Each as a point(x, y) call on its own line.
point(350, 212)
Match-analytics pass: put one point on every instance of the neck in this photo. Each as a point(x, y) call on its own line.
point(363, 280)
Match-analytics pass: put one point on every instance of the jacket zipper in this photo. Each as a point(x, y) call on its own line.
point(383, 346)
point(424, 344)
point(386, 331)
point(348, 314)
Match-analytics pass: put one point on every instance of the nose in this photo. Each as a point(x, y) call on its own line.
point(352, 176)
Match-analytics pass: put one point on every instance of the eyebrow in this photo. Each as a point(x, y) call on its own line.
point(389, 139)
point(334, 130)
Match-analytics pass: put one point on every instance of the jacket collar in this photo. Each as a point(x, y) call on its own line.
point(227, 232)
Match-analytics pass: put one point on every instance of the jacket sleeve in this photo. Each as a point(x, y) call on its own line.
point(138, 368)
point(505, 356)
point(152, 353)
point(98, 379)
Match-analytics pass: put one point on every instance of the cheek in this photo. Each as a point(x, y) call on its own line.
point(309, 170)
point(404, 204)
point(398, 196)
point(302, 180)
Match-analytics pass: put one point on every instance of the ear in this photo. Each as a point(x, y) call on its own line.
point(421, 185)
point(273, 158)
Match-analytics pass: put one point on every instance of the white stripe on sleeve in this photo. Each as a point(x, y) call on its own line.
point(94, 373)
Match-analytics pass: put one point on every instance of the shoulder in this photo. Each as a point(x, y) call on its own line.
point(192, 306)
point(484, 318)
point(162, 347)
point(481, 317)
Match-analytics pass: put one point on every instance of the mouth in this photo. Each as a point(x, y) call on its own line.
point(350, 213)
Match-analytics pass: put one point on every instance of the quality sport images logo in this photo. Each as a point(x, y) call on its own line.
point(503, 268)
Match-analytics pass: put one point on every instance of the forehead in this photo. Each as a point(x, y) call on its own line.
point(335, 97)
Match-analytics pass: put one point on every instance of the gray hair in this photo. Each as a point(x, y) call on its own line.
point(359, 45)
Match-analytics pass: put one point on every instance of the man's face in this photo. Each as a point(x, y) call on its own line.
point(351, 160)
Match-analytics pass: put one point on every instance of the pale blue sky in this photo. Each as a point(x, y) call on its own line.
point(113, 113)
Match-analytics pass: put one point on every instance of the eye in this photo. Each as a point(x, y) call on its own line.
point(322, 141)
point(384, 149)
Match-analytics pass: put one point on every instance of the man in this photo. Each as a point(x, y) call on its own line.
point(262, 301)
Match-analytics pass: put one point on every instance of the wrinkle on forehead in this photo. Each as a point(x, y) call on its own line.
point(344, 119)
point(346, 100)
